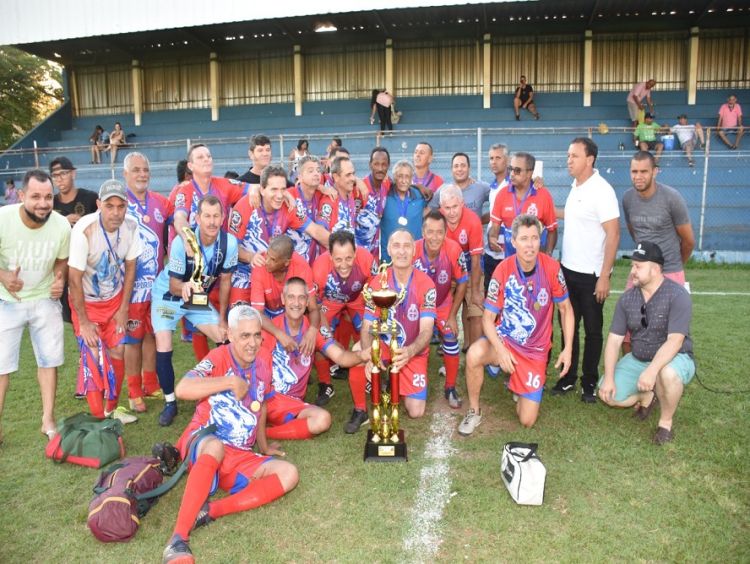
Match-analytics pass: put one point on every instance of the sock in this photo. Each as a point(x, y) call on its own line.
point(96, 403)
point(200, 346)
point(256, 493)
point(323, 367)
point(150, 382)
point(357, 381)
point(451, 359)
point(118, 365)
point(197, 488)
point(296, 429)
point(346, 333)
point(134, 386)
point(165, 371)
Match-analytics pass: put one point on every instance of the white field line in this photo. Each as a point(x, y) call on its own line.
point(703, 293)
point(423, 538)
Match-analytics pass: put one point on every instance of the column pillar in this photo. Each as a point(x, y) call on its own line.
point(588, 66)
point(487, 71)
point(692, 77)
point(137, 80)
point(297, 80)
point(389, 66)
point(213, 71)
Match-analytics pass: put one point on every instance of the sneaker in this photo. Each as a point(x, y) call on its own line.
point(122, 414)
point(79, 396)
point(588, 395)
point(563, 387)
point(177, 551)
point(454, 401)
point(137, 405)
point(168, 414)
point(470, 422)
point(325, 393)
point(663, 436)
point(338, 373)
point(203, 517)
point(358, 419)
point(155, 394)
point(441, 372)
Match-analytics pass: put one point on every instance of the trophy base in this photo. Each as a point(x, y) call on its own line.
point(385, 452)
point(198, 302)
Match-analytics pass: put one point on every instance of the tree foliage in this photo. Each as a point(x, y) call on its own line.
point(29, 91)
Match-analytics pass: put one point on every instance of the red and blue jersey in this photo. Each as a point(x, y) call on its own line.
point(367, 229)
point(305, 246)
point(340, 213)
point(523, 303)
point(447, 268)
point(537, 202)
point(468, 234)
point(265, 290)
point(236, 419)
point(188, 194)
point(151, 216)
point(332, 288)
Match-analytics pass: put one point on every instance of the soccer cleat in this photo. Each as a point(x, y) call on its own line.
point(325, 393)
point(358, 419)
point(470, 422)
point(168, 414)
point(137, 405)
point(203, 517)
point(177, 552)
point(338, 373)
point(122, 414)
point(154, 394)
point(563, 387)
point(454, 401)
point(441, 372)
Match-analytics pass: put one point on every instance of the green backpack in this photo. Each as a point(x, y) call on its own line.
point(87, 440)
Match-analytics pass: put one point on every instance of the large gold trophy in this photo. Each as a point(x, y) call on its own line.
point(198, 298)
point(385, 441)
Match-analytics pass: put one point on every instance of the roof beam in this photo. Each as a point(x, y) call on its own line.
point(381, 22)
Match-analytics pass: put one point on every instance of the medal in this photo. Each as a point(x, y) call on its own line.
point(537, 306)
point(255, 406)
point(146, 219)
point(403, 221)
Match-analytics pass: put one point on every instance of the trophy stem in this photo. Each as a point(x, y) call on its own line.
point(394, 387)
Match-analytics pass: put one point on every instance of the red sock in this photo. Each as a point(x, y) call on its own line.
point(118, 365)
point(323, 367)
point(451, 370)
point(357, 383)
point(150, 382)
point(347, 333)
point(256, 493)
point(197, 488)
point(296, 429)
point(96, 403)
point(200, 346)
point(134, 387)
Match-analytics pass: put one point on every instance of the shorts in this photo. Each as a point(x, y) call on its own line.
point(633, 110)
point(139, 323)
point(629, 368)
point(333, 310)
point(166, 313)
point(44, 318)
point(473, 310)
point(443, 310)
point(412, 378)
point(239, 295)
point(726, 130)
point(651, 145)
point(529, 377)
point(281, 408)
point(102, 314)
point(688, 145)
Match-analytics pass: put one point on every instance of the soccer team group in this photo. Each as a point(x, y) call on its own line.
point(283, 260)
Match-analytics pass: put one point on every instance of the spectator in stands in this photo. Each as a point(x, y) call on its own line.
point(11, 196)
point(524, 98)
point(116, 140)
point(97, 144)
point(381, 102)
point(687, 134)
point(645, 136)
point(657, 313)
point(424, 179)
point(300, 151)
point(635, 99)
point(730, 119)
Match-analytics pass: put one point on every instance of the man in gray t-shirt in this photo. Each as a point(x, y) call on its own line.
point(656, 312)
point(656, 212)
point(476, 194)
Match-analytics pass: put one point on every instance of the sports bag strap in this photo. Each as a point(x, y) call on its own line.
point(164, 487)
point(74, 448)
point(106, 475)
point(531, 446)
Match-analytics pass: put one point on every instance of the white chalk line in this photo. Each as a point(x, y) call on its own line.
point(702, 293)
point(423, 537)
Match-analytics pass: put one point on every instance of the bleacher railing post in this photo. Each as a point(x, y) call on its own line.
point(187, 145)
point(36, 155)
point(705, 187)
point(479, 154)
point(281, 150)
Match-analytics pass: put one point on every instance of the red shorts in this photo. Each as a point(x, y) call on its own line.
point(238, 295)
point(443, 310)
point(528, 379)
point(139, 322)
point(281, 408)
point(102, 314)
point(333, 311)
point(412, 381)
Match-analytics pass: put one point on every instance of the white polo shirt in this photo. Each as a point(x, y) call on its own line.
point(587, 207)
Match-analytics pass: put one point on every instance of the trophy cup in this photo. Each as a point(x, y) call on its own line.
point(198, 298)
point(385, 441)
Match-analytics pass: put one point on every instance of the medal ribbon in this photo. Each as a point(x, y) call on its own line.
point(242, 373)
point(109, 245)
point(530, 283)
point(137, 202)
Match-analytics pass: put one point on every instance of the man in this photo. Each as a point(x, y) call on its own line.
point(104, 247)
point(465, 229)
point(658, 213)
point(498, 157)
point(151, 211)
point(415, 320)
point(404, 207)
point(427, 181)
point(370, 214)
point(72, 203)
point(339, 276)
point(635, 99)
point(656, 312)
point(590, 240)
point(517, 325)
point(11, 194)
point(645, 134)
point(687, 134)
point(255, 227)
point(231, 386)
point(730, 119)
point(524, 98)
point(260, 154)
point(443, 261)
point(521, 196)
point(476, 194)
point(288, 414)
point(174, 287)
point(308, 196)
point(34, 243)
point(340, 213)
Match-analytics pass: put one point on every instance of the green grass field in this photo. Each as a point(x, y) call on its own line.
point(610, 496)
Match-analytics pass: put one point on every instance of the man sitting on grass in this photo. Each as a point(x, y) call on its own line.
point(657, 313)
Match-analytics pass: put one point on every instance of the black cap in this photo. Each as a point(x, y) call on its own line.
point(647, 252)
point(63, 162)
point(648, 115)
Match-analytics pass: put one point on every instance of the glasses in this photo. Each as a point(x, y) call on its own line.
point(517, 170)
point(644, 319)
point(60, 174)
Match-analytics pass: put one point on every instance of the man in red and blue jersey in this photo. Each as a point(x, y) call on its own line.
point(367, 230)
point(424, 179)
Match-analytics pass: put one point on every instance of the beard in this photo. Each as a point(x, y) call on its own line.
point(35, 218)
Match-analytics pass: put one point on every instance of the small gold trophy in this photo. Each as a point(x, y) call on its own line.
point(198, 298)
point(385, 441)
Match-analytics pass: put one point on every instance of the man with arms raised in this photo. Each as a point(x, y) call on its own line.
point(517, 325)
point(34, 243)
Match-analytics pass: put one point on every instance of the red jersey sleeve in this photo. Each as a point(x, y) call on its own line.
point(299, 268)
point(320, 269)
point(259, 281)
point(474, 229)
point(239, 218)
point(458, 262)
point(183, 197)
point(555, 278)
point(496, 213)
point(328, 212)
point(496, 289)
point(365, 261)
point(427, 295)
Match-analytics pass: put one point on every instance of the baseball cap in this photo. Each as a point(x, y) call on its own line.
point(112, 188)
point(647, 252)
point(62, 162)
point(648, 115)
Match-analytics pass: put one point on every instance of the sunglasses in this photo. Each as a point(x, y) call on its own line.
point(517, 170)
point(644, 319)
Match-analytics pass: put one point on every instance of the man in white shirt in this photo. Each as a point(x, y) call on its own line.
point(687, 134)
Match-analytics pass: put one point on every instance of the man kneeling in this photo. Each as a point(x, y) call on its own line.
point(657, 312)
point(517, 324)
point(231, 385)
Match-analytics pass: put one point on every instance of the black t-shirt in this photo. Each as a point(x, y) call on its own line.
point(525, 92)
point(83, 204)
point(251, 178)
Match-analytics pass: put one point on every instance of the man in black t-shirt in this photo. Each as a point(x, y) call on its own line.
point(259, 152)
point(524, 98)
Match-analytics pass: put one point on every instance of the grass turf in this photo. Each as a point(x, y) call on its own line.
point(610, 495)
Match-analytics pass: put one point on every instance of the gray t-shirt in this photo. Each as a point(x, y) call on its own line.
point(655, 219)
point(668, 311)
point(476, 197)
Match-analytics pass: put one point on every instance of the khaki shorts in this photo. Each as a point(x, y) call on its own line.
point(473, 310)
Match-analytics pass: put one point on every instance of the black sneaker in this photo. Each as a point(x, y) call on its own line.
point(79, 396)
point(325, 393)
point(358, 419)
point(168, 414)
point(563, 387)
point(338, 373)
point(177, 551)
point(203, 517)
point(588, 394)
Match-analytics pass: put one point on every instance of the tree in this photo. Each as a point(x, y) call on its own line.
point(29, 91)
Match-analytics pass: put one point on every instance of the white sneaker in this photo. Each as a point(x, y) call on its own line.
point(123, 415)
point(441, 372)
point(470, 422)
